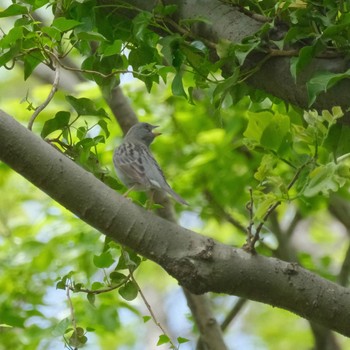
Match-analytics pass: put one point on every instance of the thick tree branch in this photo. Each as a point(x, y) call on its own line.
point(199, 263)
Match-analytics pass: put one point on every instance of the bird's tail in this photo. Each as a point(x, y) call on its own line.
point(176, 196)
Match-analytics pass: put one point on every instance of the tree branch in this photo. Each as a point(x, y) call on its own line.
point(210, 333)
point(199, 263)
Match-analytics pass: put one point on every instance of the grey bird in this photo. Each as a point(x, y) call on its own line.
point(135, 165)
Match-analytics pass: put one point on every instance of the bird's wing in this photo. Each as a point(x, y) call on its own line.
point(129, 160)
point(138, 166)
point(153, 171)
point(156, 177)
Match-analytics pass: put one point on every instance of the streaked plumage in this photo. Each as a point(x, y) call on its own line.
point(135, 165)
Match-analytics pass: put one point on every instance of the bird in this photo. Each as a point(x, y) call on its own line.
point(135, 165)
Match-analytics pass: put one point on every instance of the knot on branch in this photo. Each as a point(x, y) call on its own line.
point(207, 252)
point(186, 271)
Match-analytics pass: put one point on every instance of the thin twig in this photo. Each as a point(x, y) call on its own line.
point(251, 240)
point(250, 209)
point(222, 212)
point(233, 313)
point(88, 71)
point(72, 315)
point(188, 33)
point(49, 97)
point(100, 291)
point(149, 308)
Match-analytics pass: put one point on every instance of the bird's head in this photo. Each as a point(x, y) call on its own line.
point(142, 132)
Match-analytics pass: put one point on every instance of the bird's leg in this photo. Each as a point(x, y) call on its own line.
point(128, 191)
point(150, 200)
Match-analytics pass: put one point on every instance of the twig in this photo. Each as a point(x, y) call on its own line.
point(233, 313)
point(72, 315)
point(100, 291)
point(188, 33)
point(222, 212)
point(252, 239)
point(148, 306)
point(88, 71)
point(249, 207)
point(49, 97)
point(262, 223)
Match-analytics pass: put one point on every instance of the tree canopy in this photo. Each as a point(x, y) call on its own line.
point(252, 102)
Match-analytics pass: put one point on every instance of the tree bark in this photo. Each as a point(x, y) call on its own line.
point(199, 263)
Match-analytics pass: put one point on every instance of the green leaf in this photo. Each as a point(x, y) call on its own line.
point(322, 81)
point(104, 260)
point(169, 46)
point(117, 277)
point(85, 106)
point(263, 206)
point(61, 327)
point(14, 10)
point(140, 24)
point(39, 3)
point(304, 58)
point(77, 287)
point(128, 260)
point(97, 285)
point(146, 318)
point(129, 291)
point(110, 50)
point(112, 182)
point(64, 25)
point(323, 179)
point(163, 339)
point(78, 339)
point(266, 166)
point(257, 122)
point(52, 32)
point(11, 37)
point(343, 140)
point(241, 51)
point(91, 297)
point(9, 55)
point(275, 132)
point(226, 84)
point(91, 36)
point(60, 121)
point(165, 10)
point(81, 132)
point(89, 142)
point(181, 340)
point(196, 58)
point(104, 126)
point(31, 61)
point(177, 86)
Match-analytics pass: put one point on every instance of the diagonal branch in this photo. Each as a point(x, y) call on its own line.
point(199, 263)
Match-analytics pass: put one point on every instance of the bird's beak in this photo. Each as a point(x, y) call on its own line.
point(155, 134)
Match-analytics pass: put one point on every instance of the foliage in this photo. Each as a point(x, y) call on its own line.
point(233, 145)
